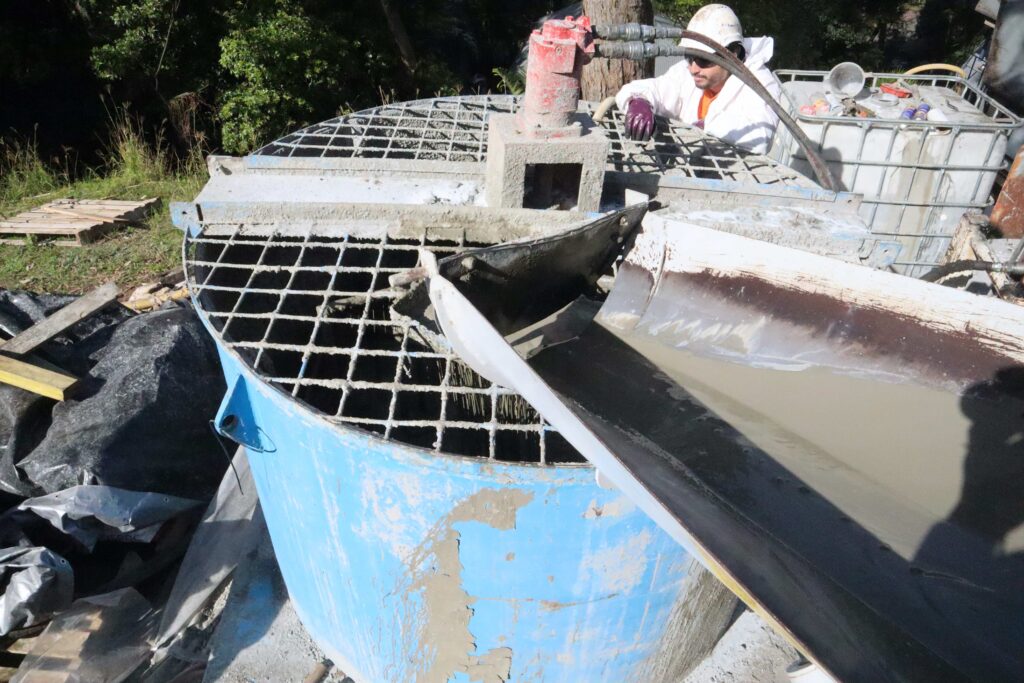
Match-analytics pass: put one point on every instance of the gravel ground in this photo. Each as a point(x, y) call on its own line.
point(749, 652)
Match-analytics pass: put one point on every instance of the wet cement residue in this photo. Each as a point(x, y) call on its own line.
point(876, 497)
point(764, 322)
point(890, 455)
point(443, 643)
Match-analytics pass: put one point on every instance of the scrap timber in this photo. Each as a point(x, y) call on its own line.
point(39, 376)
point(73, 222)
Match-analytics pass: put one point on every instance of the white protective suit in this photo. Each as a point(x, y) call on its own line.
point(737, 115)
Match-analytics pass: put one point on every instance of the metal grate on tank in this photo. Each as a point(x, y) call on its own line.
point(312, 316)
point(689, 152)
point(440, 129)
point(455, 129)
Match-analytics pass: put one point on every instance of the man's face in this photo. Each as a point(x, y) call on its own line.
point(707, 76)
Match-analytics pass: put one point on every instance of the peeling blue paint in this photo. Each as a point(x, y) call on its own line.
point(356, 521)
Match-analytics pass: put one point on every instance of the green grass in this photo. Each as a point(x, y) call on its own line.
point(133, 170)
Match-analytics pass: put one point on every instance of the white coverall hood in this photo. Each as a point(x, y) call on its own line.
point(737, 115)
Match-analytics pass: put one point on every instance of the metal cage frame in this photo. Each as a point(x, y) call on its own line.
point(920, 239)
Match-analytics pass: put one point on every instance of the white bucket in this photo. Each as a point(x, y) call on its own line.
point(846, 78)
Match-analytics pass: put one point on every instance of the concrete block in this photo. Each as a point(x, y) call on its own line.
point(561, 172)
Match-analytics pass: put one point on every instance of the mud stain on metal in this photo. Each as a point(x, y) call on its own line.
point(555, 605)
point(493, 666)
point(615, 508)
point(443, 643)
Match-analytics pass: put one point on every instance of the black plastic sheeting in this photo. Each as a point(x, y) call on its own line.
point(37, 583)
point(119, 556)
point(136, 432)
point(139, 420)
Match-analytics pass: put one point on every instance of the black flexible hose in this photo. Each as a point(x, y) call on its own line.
point(939, 272)
point(728, 61)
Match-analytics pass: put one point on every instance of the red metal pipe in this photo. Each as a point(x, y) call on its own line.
point(557, 54)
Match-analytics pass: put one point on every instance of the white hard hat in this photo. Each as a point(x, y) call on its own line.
point(717, 22)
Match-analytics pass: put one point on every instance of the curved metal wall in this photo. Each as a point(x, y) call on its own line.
point(408, 566)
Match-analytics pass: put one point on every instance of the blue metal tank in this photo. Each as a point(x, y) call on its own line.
point(409, 566)
point(407, 559)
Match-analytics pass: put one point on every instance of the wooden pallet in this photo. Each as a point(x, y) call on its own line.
point(73, 222)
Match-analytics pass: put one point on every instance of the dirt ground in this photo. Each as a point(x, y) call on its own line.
point(749, 652)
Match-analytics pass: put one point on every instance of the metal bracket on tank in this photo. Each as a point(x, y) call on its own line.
point(235, 420)
point(187, 217)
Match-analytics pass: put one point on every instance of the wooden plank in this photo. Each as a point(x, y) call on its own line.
point(40, 217)
point(94, 233)
point(46, 221)
point(35, 379)
point(50, 327)
point(50, 237)
point(104, 202)
point(119, 203)
point(83, 220)
point(22, 646)
point(86, 215)
point(60, 243)
point(36, 215)
point(45, 227)
point(86, 212)
point(79, 235)
point(124, 207)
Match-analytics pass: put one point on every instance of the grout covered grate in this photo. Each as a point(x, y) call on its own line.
point(455, 129)
point(312, 313)
point(312, 316)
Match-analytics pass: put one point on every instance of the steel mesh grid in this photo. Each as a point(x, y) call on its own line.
point(686, 151)
point(312, 316)
point(455, 129)
point(440, 129)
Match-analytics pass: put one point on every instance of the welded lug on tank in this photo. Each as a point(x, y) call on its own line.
point(558, 52)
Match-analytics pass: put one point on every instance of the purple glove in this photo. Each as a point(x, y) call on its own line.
point(639, 119)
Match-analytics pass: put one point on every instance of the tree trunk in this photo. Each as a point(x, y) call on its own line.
point(405, 48)
point(603, 77)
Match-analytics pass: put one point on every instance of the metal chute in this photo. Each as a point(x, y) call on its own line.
point(766, 407)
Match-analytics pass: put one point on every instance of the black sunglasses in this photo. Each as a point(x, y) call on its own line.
point(735, 48)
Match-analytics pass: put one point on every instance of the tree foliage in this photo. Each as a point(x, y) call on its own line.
point(237, 73)
point(880, 35)
point(234, 74)
point(280, 63)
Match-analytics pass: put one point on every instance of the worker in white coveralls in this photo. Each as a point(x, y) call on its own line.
point(699, 93)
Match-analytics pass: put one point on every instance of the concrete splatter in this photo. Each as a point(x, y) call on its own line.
point(618, 569)
point(615, 508)
point(439, 627)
